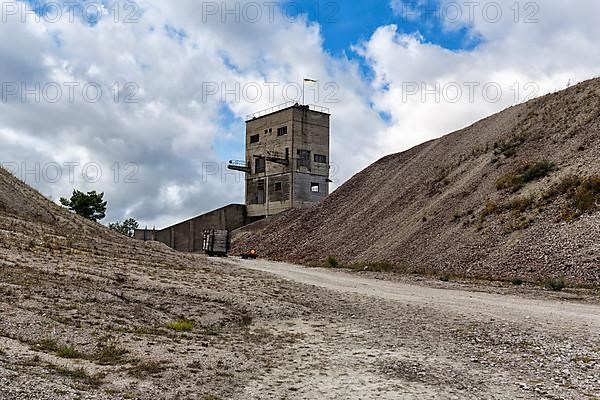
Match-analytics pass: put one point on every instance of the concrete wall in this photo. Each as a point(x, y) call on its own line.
point(187, 236)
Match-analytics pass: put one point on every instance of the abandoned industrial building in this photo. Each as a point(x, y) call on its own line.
point(287, 166)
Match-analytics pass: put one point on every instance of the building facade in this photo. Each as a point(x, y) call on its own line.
point(287, 159)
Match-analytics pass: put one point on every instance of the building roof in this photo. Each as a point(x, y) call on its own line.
point(284, 107)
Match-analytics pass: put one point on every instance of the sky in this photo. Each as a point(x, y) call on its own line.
point(146, 101)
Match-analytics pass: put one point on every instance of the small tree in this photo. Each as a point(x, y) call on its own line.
point(90, 205)
point(126, 227)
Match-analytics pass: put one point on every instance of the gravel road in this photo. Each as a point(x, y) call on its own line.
point(555, 314)
point(394, 340)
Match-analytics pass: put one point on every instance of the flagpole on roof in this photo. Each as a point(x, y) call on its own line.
point(303, 85)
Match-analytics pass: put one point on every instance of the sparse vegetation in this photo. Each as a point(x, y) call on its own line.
point(508, 148)
point(516, 281)
point(331, 262)
point(381, 266)
point(517, 205)
point(64, 351)
point(80, 375)
point(583, 358)
point(520, 204)
point(68, 351)
point(517, 179)
point(245, 318)
point(183, 325)
point(583, 195)
point(110, 354)
point(555, 284)
point(145, 368)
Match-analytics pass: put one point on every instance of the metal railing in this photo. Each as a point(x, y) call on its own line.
point(283, 106)
point(238, 163)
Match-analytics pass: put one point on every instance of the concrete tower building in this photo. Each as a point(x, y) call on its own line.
point(287, 159)
point(286, 166)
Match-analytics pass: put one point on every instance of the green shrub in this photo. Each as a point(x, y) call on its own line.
point(516, 281)
point(587, 197)
point(583, 195)
point(532, 172)
point(569, 183)
point(520, 204)
point(537, 171)
point(331, 262)
point(68, 351)
point(555, 284)
point(508, 148)
point(491, 207)
point(182, 325)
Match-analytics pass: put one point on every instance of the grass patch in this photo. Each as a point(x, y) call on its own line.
point(517, 205)
point(48, 344)
point(555, 284)
point(331, 262)
point(110, 354)
point(532, 172)
point(68, 351)
point(183, 325)
point(63, 351)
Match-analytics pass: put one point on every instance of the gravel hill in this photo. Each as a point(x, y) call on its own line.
point(514, 195)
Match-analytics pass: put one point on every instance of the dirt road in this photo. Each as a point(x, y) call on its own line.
point(394, 340)
point(554, 314)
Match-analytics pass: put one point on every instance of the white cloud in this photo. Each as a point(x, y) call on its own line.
point(520, 58)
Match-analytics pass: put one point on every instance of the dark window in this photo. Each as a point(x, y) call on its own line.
point(314, 187)
point(266, 130)
point(259, 165)
point(303, 158)
point(254, 139)
point(287, 153)
point(270, 130)
point(260, 192)
point(282, 131)
point(277, 187)
point(320, 159)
